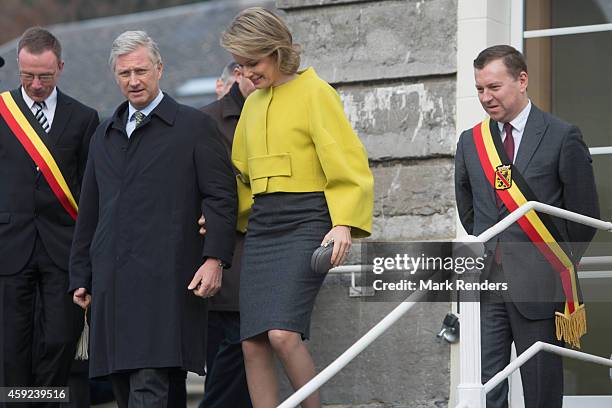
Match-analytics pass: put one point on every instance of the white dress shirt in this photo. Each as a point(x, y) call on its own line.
point(131, 123)
point(50, 105)
point(518, 127)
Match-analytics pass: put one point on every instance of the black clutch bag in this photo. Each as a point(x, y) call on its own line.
point(321, 259)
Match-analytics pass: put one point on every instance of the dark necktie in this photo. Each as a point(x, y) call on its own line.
point(509, 141)
point(40, 116)
point(139, 117)
point(509, 148)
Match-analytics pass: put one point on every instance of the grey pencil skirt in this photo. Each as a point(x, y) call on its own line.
point(277, 286)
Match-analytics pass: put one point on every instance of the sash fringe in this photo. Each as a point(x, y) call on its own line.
point(571, 327)
point(82, 351)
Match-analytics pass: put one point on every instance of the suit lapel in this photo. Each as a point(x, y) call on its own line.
point(63, 110)
point(532, 136)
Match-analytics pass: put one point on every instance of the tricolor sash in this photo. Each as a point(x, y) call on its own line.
point(514, 192)
point(35, 147)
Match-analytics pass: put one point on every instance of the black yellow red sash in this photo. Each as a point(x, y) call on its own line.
point(514, 192)
point(35, 147)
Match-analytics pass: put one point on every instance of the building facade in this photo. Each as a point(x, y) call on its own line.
point(403, 69)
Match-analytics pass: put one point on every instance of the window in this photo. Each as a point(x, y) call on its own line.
point(567, 46)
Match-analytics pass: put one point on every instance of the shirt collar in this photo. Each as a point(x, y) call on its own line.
point(50, 102)
point(519, 122)
point(147, 109)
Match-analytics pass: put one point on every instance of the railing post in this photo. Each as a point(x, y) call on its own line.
point(470, 389)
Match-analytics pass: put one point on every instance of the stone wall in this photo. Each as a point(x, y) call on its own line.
point(394, 66)
point(393, 63)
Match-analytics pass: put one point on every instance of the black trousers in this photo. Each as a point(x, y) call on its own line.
point(226, 384)
point(542, 376)
point(144, 388)
point(40, 325)
point(78, 382)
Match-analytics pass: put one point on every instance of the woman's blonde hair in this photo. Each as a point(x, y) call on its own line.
point(256, 33)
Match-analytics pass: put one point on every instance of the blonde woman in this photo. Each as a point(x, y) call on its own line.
point(304, 180)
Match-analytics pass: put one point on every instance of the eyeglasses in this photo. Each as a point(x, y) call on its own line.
point(44, 78)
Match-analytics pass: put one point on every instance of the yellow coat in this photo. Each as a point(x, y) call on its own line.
point(295, 137)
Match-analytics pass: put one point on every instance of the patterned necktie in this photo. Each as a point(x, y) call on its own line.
point(40, 116)
point(139, 117)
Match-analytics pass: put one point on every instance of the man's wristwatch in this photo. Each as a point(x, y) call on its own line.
point(222, 264)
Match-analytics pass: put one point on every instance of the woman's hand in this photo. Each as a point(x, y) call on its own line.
point(340, 235)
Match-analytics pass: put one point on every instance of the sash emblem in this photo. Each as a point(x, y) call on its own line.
point(503, 177)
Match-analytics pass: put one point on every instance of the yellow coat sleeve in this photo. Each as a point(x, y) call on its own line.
point(349, 188)
point(243, 186)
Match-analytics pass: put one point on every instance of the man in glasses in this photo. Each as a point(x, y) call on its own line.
point(44, 140)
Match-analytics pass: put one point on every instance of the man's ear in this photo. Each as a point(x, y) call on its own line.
point(523, 81)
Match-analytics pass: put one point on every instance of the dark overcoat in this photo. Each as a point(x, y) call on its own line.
point(137, 246)
point(226, 112)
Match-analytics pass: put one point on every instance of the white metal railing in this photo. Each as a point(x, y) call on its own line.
point(528, 354)
point(534, 349)
point(471, 391)
point(543, 208)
